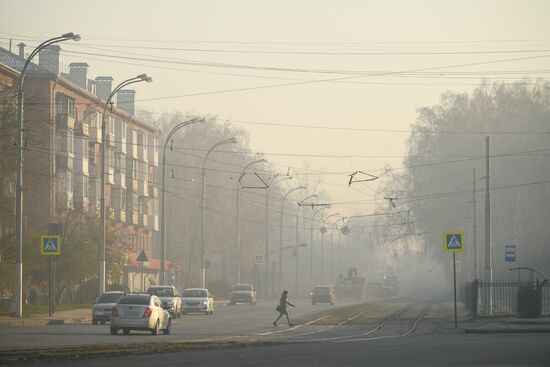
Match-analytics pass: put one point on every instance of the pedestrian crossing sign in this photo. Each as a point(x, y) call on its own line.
point(50, 245)
point(453, 241)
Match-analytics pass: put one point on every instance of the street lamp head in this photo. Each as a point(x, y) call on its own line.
point(149, 79)
point(71, 35)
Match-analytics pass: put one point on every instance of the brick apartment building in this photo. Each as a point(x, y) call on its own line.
point(62, 132)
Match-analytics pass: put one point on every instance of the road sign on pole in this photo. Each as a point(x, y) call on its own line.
point(50, 245)
point(453, 241)
point(510, 253)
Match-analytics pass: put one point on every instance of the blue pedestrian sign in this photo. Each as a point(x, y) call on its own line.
point(510, 253)
point(50, 245)
point(453, 241)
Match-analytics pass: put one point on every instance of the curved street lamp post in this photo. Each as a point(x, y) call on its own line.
point(238, 205)
point(281, 234)
point(163, 202)
point(203, 229)
point(266, 280)
point(323, 248)
point(137, 79)
point(300, 204)
point(311, 244)
point(18, 304)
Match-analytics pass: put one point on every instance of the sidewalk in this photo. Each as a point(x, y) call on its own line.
point(442, 315)
point(58, 318)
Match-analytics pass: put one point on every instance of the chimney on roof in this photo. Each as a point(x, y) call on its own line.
point(125, 100)
point(21, 50)
point(103, 87)
point(77, 73)
point(49, 58)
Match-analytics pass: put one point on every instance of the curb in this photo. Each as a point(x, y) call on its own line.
point(42, 322)
point(506, 331)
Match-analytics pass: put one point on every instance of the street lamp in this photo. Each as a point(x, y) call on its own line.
point(238, 240)
point(203, 231)
point(281, 233)
point(19, 172)
point(300, 203)
point(311, 244)
point(163, 202)
point(273, 183)
point(323, 247)
point(340, 245)
point(137, 79)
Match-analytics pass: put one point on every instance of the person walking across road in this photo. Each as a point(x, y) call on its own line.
point(282, 308)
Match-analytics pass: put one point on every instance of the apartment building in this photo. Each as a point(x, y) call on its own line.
point(61, 177)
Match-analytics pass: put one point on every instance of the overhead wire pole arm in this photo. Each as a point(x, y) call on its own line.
point(238, 209)
point(163, 202)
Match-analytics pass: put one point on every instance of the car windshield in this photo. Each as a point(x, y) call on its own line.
point(161, 292)
point(322, 289)
point(194, 293)
point(134, 299)
point(243, 287)
point(109, 298)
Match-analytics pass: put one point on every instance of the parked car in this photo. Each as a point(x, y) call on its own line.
point(243, 293)
point(104, 306)
point(140, 312)
point(197, 300)
point(5, 302)
point(170, 296)
point(323, 294)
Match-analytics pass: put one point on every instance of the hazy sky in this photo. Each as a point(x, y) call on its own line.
point(371, 50)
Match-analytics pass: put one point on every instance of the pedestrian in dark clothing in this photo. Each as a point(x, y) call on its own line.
point(282, 308)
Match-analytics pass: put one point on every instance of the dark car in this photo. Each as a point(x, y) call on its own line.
point(243, 293)
point(322, 294)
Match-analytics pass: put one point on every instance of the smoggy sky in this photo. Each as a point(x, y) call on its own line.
point(347, 64)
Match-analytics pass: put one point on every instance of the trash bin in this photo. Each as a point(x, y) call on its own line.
point(529, 302)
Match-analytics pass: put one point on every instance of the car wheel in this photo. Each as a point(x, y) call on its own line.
point(102, 322)
point(114, 331)
point(94, 322)
point(168, 327)
point(156, 330)
point(126, 331)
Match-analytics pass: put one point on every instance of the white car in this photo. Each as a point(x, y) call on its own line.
point(140, 312)
point(104, 306)
point(197, 300)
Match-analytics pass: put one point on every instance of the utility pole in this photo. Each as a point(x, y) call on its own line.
point(488, 270)
point(300, 203)
point(474, 203)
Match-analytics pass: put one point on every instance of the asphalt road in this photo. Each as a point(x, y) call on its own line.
point(231, 322)
point(397, 333)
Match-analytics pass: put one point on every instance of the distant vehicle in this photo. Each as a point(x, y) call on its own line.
point(170, 296)
point(104, 305)
point(197, 300)
point(391, 285)
point(351, 287)
point(140, 312)
point(375, 289)
point(243, 293)
point(322, 294)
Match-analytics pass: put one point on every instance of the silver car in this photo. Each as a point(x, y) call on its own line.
point(170, 296)
point(197, 300)
point(140, 312)
point(104, 306)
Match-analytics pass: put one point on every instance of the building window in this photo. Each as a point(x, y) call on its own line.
point(120, 163)
point(85, 187)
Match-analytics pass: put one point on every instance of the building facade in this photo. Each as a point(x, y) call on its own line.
point(63, 115)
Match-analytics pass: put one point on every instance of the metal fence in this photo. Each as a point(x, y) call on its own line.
point(500, 298)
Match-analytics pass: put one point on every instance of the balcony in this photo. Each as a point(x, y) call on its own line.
point(64, 121)
point(120, 215)
point(143, 220)
point(81, 129)
point(110, 140)
point(143, 188)
point(135, 218)
point(153, 223)
point(64, 161)
point(153, 191)
point(120, 179)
